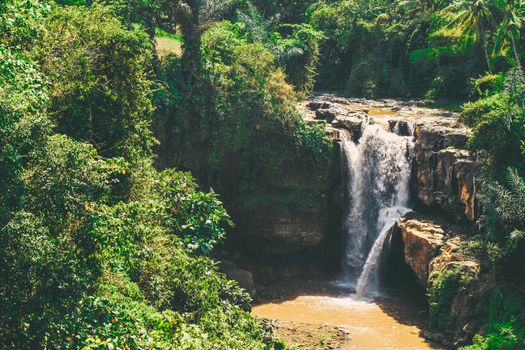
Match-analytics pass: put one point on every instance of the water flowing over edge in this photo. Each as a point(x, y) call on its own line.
point(379, 170)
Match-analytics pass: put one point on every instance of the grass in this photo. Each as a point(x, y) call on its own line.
point(168, 43)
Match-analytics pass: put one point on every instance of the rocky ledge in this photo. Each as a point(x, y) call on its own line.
point(431, 245)
point(437, 252)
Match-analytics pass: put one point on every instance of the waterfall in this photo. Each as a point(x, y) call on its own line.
point(378, 172)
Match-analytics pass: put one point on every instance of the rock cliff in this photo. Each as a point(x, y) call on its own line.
point(436, 251)
point(422, 240)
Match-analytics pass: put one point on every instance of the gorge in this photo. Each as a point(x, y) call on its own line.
point(409, 202)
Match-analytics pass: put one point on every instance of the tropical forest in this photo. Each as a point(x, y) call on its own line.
point(262, 174)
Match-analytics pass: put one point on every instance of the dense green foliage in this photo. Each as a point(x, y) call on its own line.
point(243, 135)
point(505, 319)
point(99, 249)
point(413, 48)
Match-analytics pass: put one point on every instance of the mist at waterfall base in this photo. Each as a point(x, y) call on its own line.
point(378, 171)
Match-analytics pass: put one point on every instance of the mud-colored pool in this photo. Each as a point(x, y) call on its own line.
point(373, 325)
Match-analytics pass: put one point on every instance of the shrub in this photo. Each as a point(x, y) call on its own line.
point(198, 218)
point(444, 287)
point(505, 323)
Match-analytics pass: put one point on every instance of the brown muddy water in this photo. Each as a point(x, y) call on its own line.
point(385, 324)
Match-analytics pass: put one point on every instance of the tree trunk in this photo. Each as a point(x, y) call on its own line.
point(515, 49)
point(487, 59)
point(155, 60)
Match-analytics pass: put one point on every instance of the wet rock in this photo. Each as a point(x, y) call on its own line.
point(317, 104)
point(325, 114)
point(400, 127)
point(333, 133)
point(353, 123)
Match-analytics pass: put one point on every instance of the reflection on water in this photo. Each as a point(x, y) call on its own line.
point(373, 325)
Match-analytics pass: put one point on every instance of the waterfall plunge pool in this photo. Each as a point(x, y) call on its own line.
point(377, 169)
point(394, 323)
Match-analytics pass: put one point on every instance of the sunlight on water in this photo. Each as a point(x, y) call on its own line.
point(378, 183)
point(372, 325)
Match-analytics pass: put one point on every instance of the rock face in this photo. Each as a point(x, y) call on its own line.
point(431, 248)
point(445, 173)
point(288, 231)
point(450, 254)
point(463, 302)
point(422, 240)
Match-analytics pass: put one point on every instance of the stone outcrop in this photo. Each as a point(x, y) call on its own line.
point(471, 287)
point(432, 247)
point(445, 173)
point(422, 240)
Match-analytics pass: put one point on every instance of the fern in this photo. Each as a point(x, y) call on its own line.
point(507, 205)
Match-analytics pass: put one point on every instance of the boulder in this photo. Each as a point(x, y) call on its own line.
point(325, 114)
point(400, 127)
point(318, 104)
point(353, 123)
point(333, 133)
point(422, 240)
point(243, 277)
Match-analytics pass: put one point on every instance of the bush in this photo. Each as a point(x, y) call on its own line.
point(198, 218)
point(42, 275)
point(63, 179)
point(443, 288)
point(505, 321)
point(497, 131)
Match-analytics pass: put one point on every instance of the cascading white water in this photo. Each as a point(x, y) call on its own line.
point(378, 191)
point(368, 283)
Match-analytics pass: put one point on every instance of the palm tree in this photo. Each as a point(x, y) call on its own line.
point(417, 7)
point(475, 18)
point(194, 16)
point(511, 24)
